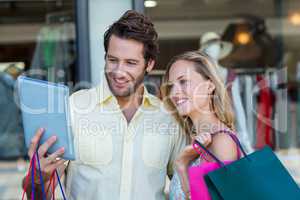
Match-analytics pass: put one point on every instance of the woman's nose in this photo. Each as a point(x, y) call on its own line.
point(175, 90)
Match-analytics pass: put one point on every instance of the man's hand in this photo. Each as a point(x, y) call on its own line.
point(51, 162)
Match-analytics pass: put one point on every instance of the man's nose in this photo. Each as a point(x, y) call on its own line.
point(119, 72)
point(118, 68)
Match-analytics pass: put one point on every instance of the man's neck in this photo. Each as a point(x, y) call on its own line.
point(130, 104)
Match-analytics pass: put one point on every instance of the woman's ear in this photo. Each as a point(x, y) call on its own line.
point(211, 87)
point(150, 65)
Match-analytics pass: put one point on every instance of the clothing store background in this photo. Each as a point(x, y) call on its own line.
point(265, 58)
point(265, 35)
point(36, 38)
point(42, 36)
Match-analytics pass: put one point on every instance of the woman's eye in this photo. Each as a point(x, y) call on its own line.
point(169, 86)
point(183, 82)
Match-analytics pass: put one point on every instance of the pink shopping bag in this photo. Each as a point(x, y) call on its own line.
point(198, 188)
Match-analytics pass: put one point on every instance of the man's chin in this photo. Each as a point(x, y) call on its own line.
point(122, 93)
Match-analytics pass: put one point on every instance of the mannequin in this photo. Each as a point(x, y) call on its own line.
point(12, 144)
point(212, 45)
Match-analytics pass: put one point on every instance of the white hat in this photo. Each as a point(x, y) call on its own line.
point(211, 37)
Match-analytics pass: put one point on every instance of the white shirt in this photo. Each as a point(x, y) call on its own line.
point(114, 159)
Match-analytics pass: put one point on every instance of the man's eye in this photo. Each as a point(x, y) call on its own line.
point(131, 63)
point(112, 60)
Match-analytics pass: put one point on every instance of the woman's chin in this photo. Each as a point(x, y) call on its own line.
point(183, 113)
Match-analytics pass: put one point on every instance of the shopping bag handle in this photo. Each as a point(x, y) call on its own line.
point(197, 144)
point(32, 169)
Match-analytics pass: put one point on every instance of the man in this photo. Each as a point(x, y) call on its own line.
point(125, 141)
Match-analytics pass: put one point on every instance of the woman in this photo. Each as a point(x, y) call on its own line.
point(193, 89)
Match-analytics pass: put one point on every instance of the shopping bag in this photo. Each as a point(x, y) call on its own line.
point(197, 183)
point(258, 176)
point(32, 172)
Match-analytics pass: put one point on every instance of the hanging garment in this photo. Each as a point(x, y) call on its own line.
point(298, 117)
point(54, 53)
point(233, 88)
point(250, 105)
point(266, 101)
point(282, 119)
point(292, 119)
point(12, 144)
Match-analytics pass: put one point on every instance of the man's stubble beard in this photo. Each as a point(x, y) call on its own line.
point(132, 88)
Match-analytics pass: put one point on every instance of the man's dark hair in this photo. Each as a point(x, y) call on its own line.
point(133, 25)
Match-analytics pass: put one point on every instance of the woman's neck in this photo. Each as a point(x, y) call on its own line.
point(206, 122)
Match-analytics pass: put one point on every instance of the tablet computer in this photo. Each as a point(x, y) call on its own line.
point(46, 105)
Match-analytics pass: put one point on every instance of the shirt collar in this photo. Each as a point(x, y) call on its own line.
point(105, 95)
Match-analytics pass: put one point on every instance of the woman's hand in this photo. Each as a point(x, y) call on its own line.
point(204, 138)
point(186, 156)
point(189, 154)
point(181, 165)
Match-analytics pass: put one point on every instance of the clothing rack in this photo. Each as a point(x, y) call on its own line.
point(277, 81)
point(254, 71)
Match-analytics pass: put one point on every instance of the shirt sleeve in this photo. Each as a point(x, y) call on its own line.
point(179, 143)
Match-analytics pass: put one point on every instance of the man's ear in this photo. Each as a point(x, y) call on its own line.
point(150, 65)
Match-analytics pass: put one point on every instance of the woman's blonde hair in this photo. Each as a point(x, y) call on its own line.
point(220, 101)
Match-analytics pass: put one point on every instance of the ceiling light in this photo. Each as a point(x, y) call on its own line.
point(295, 19)
point(150, 3)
